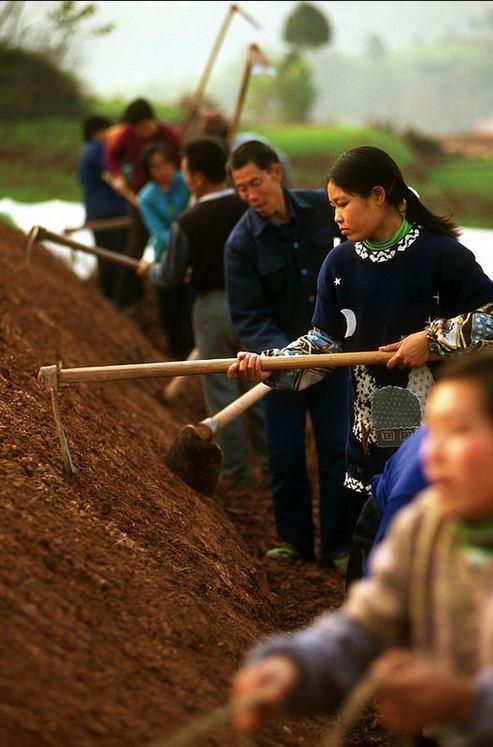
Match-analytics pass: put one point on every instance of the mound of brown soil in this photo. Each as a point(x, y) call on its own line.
point(126, 598)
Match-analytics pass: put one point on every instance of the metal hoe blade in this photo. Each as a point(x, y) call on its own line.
point(66, 456)
point(34, 235)
point(48, 376)
point(196, 460)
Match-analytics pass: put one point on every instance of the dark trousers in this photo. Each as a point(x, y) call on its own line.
point(128, 286)
point(364, 519)
point(108, 271)
point(285, 413)
point(175, 310)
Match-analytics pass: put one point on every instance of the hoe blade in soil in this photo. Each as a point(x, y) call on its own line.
point(198, 462)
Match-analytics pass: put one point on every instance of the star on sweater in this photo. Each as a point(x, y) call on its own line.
point(337, 281)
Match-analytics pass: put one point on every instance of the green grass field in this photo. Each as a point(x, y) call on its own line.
point(330, 141)
point(39, 162)
point(473, 177)
point(461, 187)
point(26, 182)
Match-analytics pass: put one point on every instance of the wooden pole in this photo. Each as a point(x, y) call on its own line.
point(214, 365)
point(39, 233)
point(245, 79)
point(209, 427)
point(101, 224)
point(196, 100)
point(253, 57)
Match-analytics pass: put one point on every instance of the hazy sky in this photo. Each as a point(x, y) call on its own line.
point(158, 47)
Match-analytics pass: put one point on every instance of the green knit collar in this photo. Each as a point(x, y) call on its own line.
point(479, 536)
point(377, 246)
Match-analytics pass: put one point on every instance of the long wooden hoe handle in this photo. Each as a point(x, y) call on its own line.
point(214, 365)
point(196, 100)
point(97, 251)
point(101, 224)
point(232, 411)
point(177, 383)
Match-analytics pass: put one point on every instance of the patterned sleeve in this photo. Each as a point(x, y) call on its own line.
point(315, 341)
point(466, 332)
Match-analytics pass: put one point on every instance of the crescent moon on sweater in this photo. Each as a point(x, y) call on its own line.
point(351, 323)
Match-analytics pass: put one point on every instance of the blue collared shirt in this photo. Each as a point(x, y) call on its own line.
point(272, 268)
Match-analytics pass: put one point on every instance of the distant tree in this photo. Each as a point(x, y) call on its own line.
point(12, 30)
point(31, 85)
point(262, 103)
point(69, 25)
point(57, 35)
point(43, 82)
point(295, 87)
point(375, 47)
point(305, 28)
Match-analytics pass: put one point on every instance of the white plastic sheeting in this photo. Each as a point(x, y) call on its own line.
point(55, 216)
point(480, 242)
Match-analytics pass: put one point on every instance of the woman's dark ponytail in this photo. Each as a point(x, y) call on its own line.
point(416, 212)
point(360, 169)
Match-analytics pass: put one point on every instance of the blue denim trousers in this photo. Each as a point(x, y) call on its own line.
point(286, 413)
point(216, 338)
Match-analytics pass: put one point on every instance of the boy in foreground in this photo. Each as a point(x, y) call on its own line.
point(423, 619)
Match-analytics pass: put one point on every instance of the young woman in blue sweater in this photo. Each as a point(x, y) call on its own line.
point(399, 281)
point(164, 197)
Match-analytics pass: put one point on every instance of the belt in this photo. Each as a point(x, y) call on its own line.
point(211, 292)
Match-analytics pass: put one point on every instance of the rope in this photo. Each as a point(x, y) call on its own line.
point(352, 708)
point(213, 720)
point(350, 712)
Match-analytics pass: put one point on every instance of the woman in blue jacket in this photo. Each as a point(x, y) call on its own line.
point(163, 198)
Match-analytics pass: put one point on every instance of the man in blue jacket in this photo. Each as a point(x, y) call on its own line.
point(272, 260)
point(100, 200)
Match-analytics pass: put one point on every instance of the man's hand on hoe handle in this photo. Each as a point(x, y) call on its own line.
point(274, 678)
point(248, 367)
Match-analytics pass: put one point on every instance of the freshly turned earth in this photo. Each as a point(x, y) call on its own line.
point(127, 599)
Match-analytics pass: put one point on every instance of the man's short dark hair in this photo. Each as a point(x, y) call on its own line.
point(92, 125)
point(150, 150)
point(137, 111)
point(207, 156)
point(253, 151)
